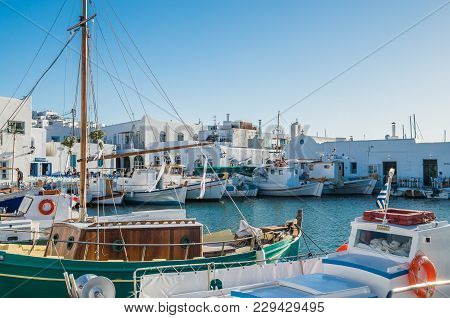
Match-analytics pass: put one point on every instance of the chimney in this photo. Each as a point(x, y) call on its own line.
point(259, 129)
point(228, 117)
point(393, 130)
point(294, 130)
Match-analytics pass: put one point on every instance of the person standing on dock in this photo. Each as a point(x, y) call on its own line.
point(19, 177)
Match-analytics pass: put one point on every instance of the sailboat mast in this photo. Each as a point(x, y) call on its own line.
point(278, 131)
point(83, 113)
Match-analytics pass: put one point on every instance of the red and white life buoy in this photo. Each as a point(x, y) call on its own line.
point(47, 207)
point(421, 262)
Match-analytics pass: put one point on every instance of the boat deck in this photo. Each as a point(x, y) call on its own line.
point(307, 286)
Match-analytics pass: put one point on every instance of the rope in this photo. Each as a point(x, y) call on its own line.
point(131, 116)
point(19, 107)
point(130, 73)
point(35, 56)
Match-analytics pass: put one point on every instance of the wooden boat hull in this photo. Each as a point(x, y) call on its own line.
point(36, 277)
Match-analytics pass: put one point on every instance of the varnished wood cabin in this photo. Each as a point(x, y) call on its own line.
point(64, 237)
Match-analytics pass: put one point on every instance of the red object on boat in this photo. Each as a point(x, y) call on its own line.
point(400, 217)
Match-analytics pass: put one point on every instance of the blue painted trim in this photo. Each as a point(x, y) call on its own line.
point(12, 204)
point(240, 294)
point(365, 268)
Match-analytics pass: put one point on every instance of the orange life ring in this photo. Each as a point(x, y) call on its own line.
point(422, 262)
point(44, 207)
point(342, 248)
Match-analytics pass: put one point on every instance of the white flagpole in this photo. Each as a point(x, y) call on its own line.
point(203, 183)
point(388, 194)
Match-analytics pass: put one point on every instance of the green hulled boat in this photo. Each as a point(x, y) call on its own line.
point(115, 247)
point(24, 275)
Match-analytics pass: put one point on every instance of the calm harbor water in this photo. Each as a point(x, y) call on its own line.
point(326, 220)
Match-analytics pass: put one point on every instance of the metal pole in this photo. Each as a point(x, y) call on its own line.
point(410, 127)
point(13, 155)
point(278, 128)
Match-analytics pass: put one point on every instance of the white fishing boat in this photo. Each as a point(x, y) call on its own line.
point(390, 253)
point(402, 256)
point(115, 198)
point(443, 193)
point(11, 198)
point(240, 187)
point(100, 191)
point(198, 187)
point(36, 212)
point(331, 173)
point(145, 186)
point(285, 180)
point(357, 186)
point(168, 196)
point(246, 191)
point(214, 189)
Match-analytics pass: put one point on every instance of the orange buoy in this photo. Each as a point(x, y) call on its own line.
point(342, 248)
point(418, 263)
point(47, 207)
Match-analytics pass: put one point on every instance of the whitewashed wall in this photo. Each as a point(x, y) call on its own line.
point(22, 142)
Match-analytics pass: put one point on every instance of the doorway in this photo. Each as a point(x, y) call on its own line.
point(46, 169)
point(430, 171)
point(34, 169)
point(340, 166)
point(126, 163)
point(388, 165)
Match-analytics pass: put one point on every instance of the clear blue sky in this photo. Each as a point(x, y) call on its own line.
point(251, 58)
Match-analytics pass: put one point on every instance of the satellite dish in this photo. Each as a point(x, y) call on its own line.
point(98, 287)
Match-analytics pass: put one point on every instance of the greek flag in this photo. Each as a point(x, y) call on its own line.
point(381, 198)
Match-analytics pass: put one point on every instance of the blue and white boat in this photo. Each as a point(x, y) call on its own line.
point(285, 179)
point(390, 253)
point(240, 187)
point(11, 198)
point(145, 186)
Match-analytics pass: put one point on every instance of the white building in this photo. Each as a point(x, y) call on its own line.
point(142, 133)
point(58, 127)
point(23, 143)
point(55, 160)
point(147, 133)
point(15, 138)
point(235, 133)
point(410, 158)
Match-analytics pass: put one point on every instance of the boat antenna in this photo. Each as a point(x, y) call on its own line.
point(388, 194)
point(278, 131)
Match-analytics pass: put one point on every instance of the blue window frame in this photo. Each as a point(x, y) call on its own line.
point(73, 161)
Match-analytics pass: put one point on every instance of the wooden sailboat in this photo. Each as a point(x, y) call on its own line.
point(115, 247)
